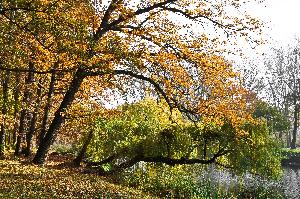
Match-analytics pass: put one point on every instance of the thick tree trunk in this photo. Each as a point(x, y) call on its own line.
point(58, 118)
point(294, 136)
point(81, 155)
point(5, 83)
point(33, 121)
point(47, 109)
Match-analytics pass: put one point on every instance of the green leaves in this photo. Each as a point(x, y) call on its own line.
point(149, 129)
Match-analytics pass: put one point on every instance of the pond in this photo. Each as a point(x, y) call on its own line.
point(289, 184)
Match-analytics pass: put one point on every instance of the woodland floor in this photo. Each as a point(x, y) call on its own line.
point(20, 179)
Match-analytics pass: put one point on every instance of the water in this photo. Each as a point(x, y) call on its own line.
point(289, 184)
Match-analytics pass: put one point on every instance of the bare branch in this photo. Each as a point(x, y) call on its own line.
point(105, 26)
point(132, 74)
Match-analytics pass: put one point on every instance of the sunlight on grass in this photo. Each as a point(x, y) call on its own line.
point(29, 181)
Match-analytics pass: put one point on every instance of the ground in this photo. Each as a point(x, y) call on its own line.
point(20, 179)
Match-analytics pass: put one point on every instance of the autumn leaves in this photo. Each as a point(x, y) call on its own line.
point(78, 49)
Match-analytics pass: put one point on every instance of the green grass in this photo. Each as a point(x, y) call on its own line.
point(291, 150)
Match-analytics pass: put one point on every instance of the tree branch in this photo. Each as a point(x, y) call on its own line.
point(166, 160)
point(105, 26)
point(33, 71)
point(138, 76)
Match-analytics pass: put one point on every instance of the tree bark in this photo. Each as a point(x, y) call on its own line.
point(5, 83)
point(165, 160)
point(33, 121)
point(24, 113)
point(47, 109)
point(81, 155)
point(51, 134)
point(20, 133)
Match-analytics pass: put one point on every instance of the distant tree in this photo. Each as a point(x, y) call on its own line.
point(283, 76)
point(277, 122)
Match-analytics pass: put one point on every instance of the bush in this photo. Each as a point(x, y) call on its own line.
point(185, 182)
point(65, 149)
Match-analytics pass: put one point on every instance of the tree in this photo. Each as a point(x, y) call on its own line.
point(122, 44)
point(277, 122)
point(283, 72)
point(145, 131)
point(3, 134)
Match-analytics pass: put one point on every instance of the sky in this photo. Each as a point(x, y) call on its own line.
point(282, 21)
point(282, 18)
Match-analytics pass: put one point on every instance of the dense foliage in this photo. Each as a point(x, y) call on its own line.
point(277, 122)
point(62, 61)
point(147, 131)
point(66, 55)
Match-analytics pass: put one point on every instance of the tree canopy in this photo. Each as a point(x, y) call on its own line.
point(71, 52)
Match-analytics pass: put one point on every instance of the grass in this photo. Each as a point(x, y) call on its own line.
point(23, 180)
point(291, 150)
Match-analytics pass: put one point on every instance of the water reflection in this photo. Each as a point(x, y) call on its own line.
point(289, 184)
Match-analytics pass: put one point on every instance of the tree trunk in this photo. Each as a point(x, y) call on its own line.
point(5, 83)
point(16, 107)
point(20, 133)
point(33, 120)
point(24, 113)
point(81, 155)
point(51, 134)
point(293, 143)
point(288, 139)
point(47, 109)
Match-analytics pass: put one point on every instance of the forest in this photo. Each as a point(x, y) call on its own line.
point(143, 99)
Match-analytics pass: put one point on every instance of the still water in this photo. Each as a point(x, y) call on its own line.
point(289, 184)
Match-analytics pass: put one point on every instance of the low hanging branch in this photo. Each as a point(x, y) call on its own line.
point(158, 159)
point(105, 161)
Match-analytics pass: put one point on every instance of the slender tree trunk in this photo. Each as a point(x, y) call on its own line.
point(16, 107)
point(288, 139)
point(286, 132)
point(47, 109)
point(58, 118)
point(20, 133)
point(81, 155)
point(5, 83)
point(33, 121)
point(293, 143)
point(24, 113)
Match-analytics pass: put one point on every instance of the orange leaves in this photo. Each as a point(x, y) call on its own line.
point(226, 99)
point(164, 46)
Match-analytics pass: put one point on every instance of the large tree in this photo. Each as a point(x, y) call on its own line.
point(161, 45)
